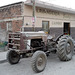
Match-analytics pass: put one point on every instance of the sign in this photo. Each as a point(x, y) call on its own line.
point(33, 19)
point(66, 16)
point(47, 11)
point(56, 23)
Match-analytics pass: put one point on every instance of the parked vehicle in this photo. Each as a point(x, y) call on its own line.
point(38, 45)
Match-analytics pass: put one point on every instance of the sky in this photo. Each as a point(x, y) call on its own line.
point(64, 3)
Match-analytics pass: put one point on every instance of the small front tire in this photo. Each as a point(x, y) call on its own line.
point(13, 57)
point(39, 60)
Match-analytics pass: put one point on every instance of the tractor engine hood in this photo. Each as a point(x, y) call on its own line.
point(34, 34)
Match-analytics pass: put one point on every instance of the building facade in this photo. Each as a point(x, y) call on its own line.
point(50, 18)
point(9, 17)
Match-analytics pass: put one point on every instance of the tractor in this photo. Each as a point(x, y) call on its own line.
point(39, 45)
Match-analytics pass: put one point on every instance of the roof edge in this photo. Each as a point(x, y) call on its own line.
point(11, 4)
point(51, 6)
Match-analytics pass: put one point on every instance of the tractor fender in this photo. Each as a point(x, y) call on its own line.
point(57, 39)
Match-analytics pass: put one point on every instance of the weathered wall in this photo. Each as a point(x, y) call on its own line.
point(17, 25)
point(56, 20)
point(3, 35)
point(53, 31)
point(10, 13)
point(3, 25)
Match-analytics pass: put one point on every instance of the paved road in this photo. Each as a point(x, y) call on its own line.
point(3, 55)
point(54, 67)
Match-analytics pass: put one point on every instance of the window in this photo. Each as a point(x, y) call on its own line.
point(9, 26)
point(45, 26)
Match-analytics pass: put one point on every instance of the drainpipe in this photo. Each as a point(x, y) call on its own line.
point(33, 18)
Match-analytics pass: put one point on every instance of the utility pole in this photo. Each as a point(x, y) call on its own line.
point(33, 18)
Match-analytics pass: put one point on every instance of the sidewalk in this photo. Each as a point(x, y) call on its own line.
point(3, 56)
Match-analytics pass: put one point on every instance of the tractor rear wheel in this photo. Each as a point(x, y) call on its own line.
point(13, 57)
point(65, 48)
point(39, 60)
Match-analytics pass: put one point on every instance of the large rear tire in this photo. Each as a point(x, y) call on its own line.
point(13, 57)
point(65, 48)
point(39, 60)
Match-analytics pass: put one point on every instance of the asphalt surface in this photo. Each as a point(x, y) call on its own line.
point(54, 67)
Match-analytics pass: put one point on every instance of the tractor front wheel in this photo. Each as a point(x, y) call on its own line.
point(13, 57)
point(39, 60)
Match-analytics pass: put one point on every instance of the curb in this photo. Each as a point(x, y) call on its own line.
point(3, 61)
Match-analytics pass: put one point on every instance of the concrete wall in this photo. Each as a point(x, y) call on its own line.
point(56, 20)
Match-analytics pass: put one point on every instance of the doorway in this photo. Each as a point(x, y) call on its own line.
point(66, 28)
point(45, 26)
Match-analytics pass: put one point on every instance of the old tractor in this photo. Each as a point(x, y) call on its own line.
point(39, 45)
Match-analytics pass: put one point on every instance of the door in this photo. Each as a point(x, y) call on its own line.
point(66, 28)
point(45, 26)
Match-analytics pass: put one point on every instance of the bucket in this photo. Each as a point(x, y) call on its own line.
point(3, 45)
